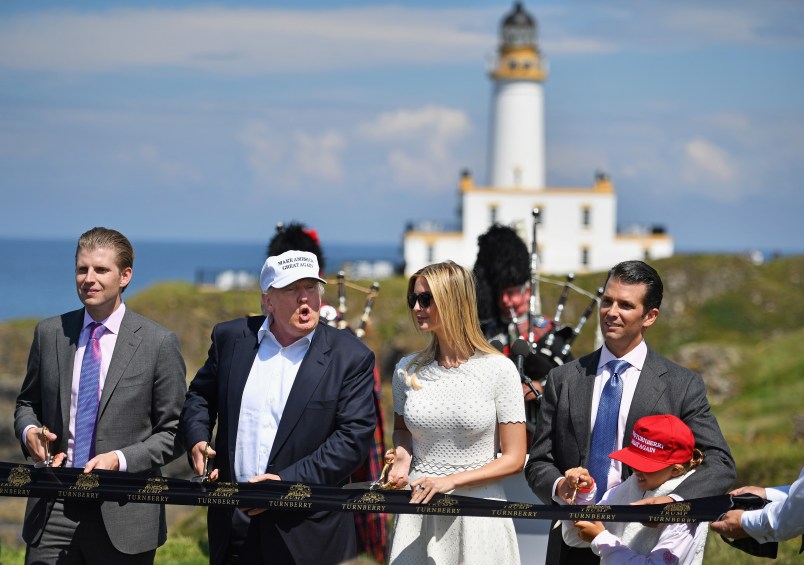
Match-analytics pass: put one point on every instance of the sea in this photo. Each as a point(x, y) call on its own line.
point(37, 276)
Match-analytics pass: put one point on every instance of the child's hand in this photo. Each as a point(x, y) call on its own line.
point(653, 500)
point(589, 530)
point(574, 479)
point(578, 477)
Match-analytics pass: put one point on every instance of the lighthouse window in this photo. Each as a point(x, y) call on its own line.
point(512, 65)
point(430, 253)
point(585, 256)
point(493, 215)
point(586, 217)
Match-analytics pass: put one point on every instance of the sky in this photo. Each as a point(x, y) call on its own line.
point(213, 121)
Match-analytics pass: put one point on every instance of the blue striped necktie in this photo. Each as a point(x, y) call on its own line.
point(604, 434)
point(88, 397)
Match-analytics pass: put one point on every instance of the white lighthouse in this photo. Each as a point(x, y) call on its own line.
point(516, 141)
point(578, 225)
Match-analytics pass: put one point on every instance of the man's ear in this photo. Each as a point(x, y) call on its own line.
point(266, 303)
point(677, 470)
point(125, 277)
point(650, 317)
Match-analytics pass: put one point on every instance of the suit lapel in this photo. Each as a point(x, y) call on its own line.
point(245, 350)
point(649, 389)
point(128, 341)
point(580, 397)
point(311, 371)
point(66, 345)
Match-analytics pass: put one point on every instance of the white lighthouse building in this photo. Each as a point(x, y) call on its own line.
point(577, 229)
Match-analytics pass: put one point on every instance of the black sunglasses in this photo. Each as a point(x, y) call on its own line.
point(424, 299)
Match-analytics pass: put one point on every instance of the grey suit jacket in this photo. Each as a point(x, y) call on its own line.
point(563, 428)
point(138, 414)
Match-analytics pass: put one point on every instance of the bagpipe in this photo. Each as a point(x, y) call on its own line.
point(547, 342)
point(337, 316)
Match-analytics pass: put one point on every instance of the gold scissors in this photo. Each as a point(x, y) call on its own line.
point(48, 461)
point(382, 482)
point(204, 477)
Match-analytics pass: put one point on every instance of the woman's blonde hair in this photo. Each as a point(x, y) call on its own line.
point(453, 290)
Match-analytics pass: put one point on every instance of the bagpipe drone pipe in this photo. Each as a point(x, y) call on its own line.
point(336, 317)
point(540, 343)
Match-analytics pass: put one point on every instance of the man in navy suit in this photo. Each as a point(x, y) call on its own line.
point(293, 402)
point(651, 384)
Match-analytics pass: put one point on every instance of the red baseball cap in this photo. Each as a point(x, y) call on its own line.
point(657, 442)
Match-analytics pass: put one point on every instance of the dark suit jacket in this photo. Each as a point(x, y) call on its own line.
point(324, 434)
point(563, 429)
point(138, 414)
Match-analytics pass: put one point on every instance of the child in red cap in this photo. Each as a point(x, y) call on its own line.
point(661, 454)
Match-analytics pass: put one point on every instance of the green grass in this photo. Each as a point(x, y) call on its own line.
point(764, 423)
point(11, 554)
point(718, 552)
point(181, 550)
point(713, 300)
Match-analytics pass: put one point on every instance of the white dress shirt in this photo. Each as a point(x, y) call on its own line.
point(107, 342)
point(782, 518)
point(636, 357)
point(264, 397)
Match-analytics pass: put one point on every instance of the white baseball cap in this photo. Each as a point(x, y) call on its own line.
point(281, 270)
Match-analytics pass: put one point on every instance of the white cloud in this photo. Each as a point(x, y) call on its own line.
point(580, 46)
point(319, 157)
point(711, 170)
point(265, 150)
point(242, 41)
point(249, 41)
point(288, 160)
point(420, 143)
point(772, 22)
point(683, 25)
point(147, 156)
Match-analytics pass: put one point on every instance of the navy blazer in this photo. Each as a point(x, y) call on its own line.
point(324, 434)
point(563, 427)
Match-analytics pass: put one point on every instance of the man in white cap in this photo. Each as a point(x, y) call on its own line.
point(293, 402)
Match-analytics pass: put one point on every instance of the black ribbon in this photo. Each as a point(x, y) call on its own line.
point(750, 545)
point(101, 486)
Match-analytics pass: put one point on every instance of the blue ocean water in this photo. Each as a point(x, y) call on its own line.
point(37, 276)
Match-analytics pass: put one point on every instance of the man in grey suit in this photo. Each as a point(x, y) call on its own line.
point(575, 398)
point(103, 390)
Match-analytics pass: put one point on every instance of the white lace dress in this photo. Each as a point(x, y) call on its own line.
point(453, 421)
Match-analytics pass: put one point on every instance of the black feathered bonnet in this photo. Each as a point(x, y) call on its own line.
point(295, 236)
point(502, 261)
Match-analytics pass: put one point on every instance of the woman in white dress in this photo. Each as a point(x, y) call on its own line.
point(457, 403)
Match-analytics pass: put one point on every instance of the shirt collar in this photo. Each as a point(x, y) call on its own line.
point(636, 357)
point(112, 323)
point(265, 329)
